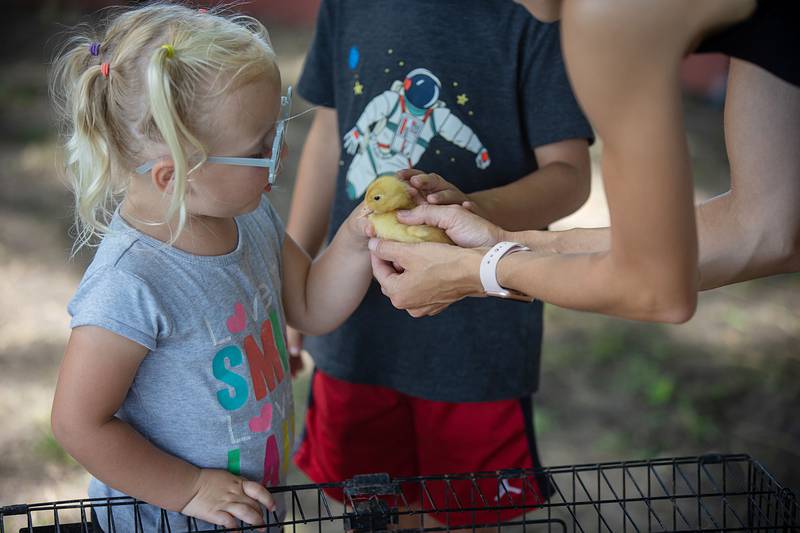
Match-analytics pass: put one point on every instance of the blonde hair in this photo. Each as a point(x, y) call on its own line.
point(148, 95)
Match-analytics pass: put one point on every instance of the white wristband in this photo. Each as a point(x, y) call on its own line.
point(489, 268)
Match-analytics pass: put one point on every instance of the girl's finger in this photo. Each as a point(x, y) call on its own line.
point(245, 513)
point(258, 492)
point(221, 518)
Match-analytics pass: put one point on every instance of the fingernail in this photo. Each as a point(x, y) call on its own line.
point(373, 244)
point(403, 212)
point(294, 350)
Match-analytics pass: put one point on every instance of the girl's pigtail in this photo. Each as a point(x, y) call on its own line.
point(167, 118)
point(83, 106)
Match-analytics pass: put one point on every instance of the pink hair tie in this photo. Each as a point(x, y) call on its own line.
point(105, 68)
point(202, 11)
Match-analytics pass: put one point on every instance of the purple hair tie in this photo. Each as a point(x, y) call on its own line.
point(94, 49)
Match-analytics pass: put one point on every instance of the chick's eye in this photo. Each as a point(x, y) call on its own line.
point(376, 198)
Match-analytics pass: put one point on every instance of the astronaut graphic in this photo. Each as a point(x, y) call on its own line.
point(396, 127)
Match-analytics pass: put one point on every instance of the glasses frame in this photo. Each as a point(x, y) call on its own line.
point(271, 163)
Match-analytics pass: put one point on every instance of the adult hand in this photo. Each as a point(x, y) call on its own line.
point(464, 227)
point(428, 276)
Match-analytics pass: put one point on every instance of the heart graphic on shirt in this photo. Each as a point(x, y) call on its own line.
point(237, 321)
point(262, 422)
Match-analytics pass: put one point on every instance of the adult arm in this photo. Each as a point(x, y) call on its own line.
point(753, 230)
point(630, 93)
point(750, 231)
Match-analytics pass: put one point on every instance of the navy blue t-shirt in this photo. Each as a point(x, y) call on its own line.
point(466, 89)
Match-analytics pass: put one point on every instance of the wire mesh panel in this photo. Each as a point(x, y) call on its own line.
point(707, 493)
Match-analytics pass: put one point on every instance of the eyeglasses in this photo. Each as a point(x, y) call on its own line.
point(272, 163)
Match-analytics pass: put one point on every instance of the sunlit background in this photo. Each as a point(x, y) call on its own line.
point(728, 381)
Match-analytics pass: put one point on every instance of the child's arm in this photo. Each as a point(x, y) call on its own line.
point(314, 190)
point(557, 188)
point(98, 369)
point(315, 185)
point(319, 295)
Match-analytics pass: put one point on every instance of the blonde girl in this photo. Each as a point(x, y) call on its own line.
point(175, 384)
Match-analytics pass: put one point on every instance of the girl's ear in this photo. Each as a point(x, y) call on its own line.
point(162, 173)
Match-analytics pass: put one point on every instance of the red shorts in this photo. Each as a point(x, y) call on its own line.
point(353, 429)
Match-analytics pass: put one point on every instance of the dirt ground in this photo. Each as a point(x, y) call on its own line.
point(727, 381)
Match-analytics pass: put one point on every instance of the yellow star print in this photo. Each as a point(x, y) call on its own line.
point(358, 88)
point(462, 99)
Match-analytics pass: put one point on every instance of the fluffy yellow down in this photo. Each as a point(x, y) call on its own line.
point(383, 198)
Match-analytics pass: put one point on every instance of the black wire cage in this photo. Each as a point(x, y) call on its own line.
point(705, 493)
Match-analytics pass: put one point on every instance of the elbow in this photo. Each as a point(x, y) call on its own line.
point(673, 301)
point(676, 307)
point(581, 185)
point(660, 296)
point(583, 188)
point(60, 427)
point(66, 428)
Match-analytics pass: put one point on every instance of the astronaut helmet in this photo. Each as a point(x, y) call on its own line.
point(421, 88)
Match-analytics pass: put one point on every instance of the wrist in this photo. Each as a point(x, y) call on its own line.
point(493, 284)
point(504, 235)
point(506, 273)
point(353, 234)
point(195, 481)
point(469, 271)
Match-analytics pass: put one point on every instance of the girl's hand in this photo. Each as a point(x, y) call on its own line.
point(223, 499)
point(358, 227)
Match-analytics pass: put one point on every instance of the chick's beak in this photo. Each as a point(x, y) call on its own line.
point(364, 212)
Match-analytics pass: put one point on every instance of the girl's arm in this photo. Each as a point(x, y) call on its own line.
point(98, 369)
point(315, 186)
point(312, 199)
point(319, 295)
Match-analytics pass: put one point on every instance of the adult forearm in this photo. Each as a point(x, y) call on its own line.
point(122, 458)
point(535, 201)
point(738, 245)
point(599, 283)
point(571, 241)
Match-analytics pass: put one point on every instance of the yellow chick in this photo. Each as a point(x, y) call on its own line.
point(386, 195)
